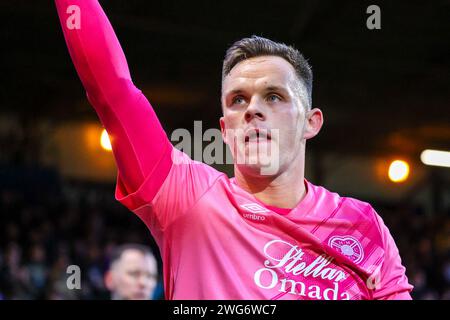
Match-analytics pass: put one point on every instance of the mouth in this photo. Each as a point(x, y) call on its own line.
point(257, 135)
point(140, 295)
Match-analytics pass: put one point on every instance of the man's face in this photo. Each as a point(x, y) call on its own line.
point(133, 276)
point(262, 93)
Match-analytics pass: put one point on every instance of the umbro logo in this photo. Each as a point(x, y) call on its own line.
point(255, 209)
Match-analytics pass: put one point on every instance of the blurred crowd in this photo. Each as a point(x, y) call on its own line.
point(43, 230)
point(424, 244)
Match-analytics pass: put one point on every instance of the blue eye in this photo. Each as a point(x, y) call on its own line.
point(238, 100)
point(274, 98)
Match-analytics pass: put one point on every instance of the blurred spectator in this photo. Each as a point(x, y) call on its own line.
point(133, 273)
point(81, 225)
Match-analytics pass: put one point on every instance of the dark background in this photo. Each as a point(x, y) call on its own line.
point(380, 90)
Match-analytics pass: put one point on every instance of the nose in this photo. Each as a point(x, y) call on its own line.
point(254, 110)
point(143, 281)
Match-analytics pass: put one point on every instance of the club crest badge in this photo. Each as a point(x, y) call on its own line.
point(348, 246)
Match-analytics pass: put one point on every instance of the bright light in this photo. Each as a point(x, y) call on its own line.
point(104, 141)
point(435, 158)
point(398, 171)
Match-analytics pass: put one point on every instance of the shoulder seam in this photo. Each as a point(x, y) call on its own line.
point(221, 174)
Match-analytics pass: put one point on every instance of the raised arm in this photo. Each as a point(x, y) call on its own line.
point(140, 145)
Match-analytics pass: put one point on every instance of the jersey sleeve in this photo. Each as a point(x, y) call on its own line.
point(393, 282)
point(155, 180)
point(140, 146)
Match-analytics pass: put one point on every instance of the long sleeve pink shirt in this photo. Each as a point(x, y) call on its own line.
point(216, 240)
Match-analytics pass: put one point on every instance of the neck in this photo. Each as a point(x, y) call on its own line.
point(284, 190)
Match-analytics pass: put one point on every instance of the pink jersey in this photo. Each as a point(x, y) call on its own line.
point(218, 241)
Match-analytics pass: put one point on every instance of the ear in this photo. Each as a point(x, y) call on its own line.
point(313, 123)
point(108, 278)
point(222, 129)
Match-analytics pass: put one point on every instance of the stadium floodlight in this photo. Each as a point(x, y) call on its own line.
point(435, 158)
point(104, 141)
point(398, 171)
